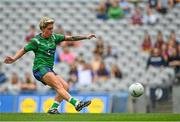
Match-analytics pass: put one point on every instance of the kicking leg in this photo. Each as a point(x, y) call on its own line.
point(51, 80)
point(58, 98)
point(81, 104)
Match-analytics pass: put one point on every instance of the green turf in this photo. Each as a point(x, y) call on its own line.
point(89, 117)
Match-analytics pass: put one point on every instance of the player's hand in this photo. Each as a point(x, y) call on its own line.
point(9, 60)
point(91, 36)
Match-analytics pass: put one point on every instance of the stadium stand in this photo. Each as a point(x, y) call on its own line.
point(17, 15)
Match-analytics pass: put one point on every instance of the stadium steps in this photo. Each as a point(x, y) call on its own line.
point(163, 107)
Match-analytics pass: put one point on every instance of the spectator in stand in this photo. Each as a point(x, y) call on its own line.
point(174, 59)
point(95, 62)
point(29, 84)
point(3, 77)
point(115, 71)
point(79, 62)
point(102, 73)
point(152, 3)
point(159, 40)
point(137, 17)
point(150, 18)
point(31, 34)
point(172, 3)
point(147, 44)
point(115, 11)
point(108, 4)
point(156, 59)
point(178, 65)
point(173, 37)
point(175, 2)
point(85, 75)
point(162, 6)
point(99, 46)
point(67, 55)
point(73, 75)
point(172, 46)
point(124, 4)
point(102, 11)
point(164, 51)
point(135, 2)
point(13, 86)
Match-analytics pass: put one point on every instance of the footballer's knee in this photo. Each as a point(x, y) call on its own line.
point(64, 83)
point(66, 86)
point(58, 85)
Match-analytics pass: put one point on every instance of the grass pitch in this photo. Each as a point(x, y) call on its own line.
point(21, 117)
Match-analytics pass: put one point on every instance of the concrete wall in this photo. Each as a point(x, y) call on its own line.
point(176, 99)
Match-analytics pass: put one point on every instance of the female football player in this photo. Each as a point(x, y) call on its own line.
point(44, 45)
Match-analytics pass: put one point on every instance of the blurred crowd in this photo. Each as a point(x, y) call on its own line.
point(83, 72)
point(15, 85)
point(162, 51)
point(132, 11)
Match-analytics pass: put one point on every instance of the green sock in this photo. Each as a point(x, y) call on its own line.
point(73, 101)
point(55, 105)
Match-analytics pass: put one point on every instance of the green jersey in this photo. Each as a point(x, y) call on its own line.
point(44, 49)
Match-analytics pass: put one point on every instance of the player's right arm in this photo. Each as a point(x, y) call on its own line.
point(31, 46)
point(11, 59)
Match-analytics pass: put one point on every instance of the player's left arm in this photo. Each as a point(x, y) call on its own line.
point(77, 38)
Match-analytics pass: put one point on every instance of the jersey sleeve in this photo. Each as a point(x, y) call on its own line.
point(59, 38)
point(32, 45)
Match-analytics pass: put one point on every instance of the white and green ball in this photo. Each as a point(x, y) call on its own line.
point(136, 89)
